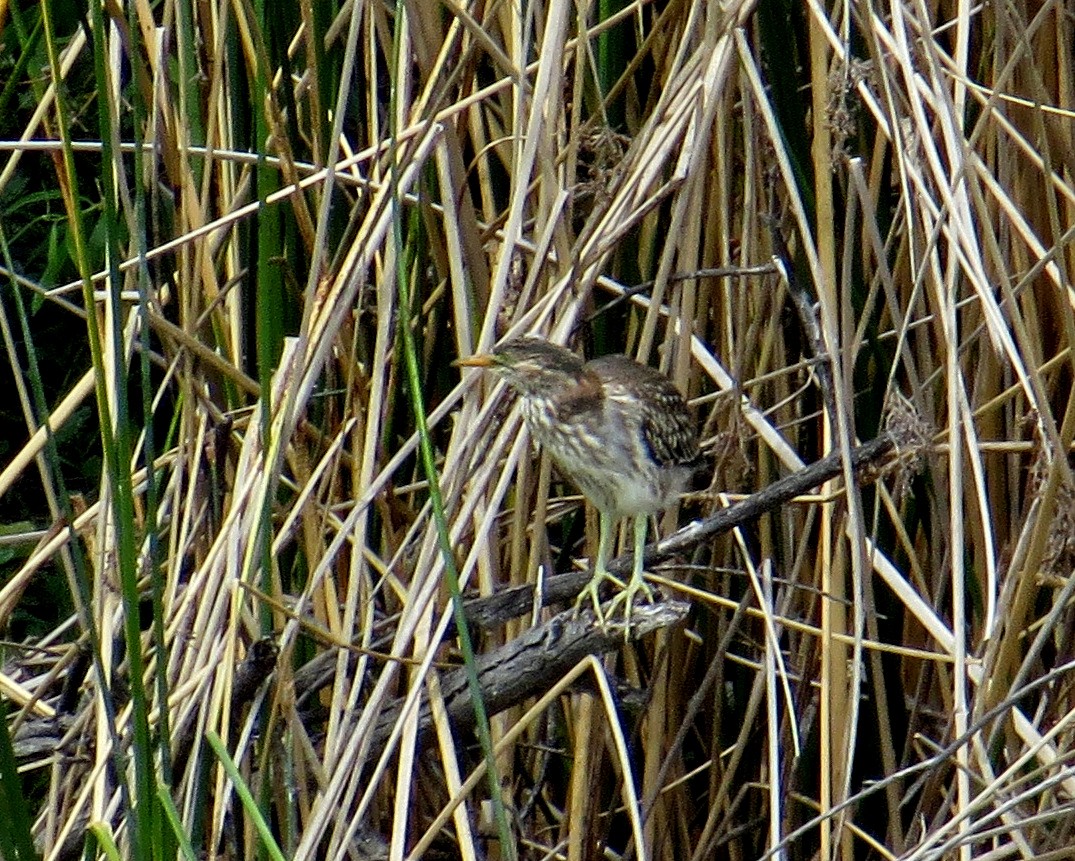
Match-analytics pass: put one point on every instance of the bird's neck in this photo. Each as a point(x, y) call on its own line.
point(583, 397)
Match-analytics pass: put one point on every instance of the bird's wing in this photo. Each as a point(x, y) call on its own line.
point(670, 433)
point(666, 422)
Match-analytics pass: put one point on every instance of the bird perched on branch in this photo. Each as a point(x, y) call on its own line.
point(619, 430)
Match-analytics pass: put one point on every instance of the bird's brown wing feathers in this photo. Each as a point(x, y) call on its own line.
point(666, 423)
point(670, 435)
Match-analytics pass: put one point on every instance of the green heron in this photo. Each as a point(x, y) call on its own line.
point(618, 429)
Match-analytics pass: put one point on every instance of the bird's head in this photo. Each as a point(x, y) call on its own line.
point(532, 366)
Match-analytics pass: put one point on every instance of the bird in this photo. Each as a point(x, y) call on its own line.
point(619, 430)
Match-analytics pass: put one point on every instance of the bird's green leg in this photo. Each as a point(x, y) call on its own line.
point(601, 572)
point(637, 584)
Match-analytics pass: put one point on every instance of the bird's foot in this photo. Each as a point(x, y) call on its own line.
point(627, 597)
point(593, 593)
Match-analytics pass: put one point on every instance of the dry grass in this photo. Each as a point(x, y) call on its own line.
point(875, 671)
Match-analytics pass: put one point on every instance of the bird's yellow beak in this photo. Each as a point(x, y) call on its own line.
point(481, 360)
